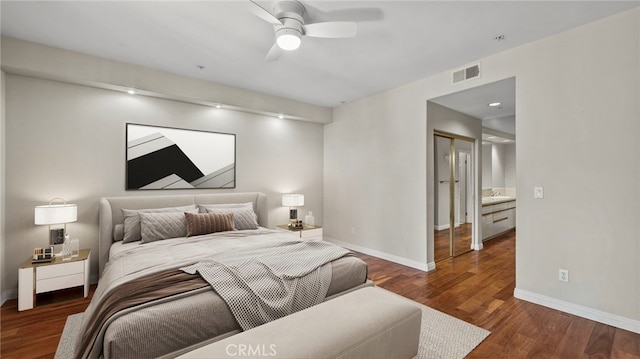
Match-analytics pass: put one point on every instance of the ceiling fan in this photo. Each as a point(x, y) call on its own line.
point(287, 18)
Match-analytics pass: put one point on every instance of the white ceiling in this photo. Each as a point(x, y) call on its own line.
point(475, 102)
point(398, 41)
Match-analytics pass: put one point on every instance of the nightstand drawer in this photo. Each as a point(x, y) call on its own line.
point(59, 270)
point(51, 284)
point(311, 233)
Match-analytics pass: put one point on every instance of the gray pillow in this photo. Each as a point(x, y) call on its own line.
point(118, 232)
point(155, 226)
point(243, 217)
point(132, 220)
point(204, 207)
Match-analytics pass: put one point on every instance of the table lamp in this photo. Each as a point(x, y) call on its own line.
point(292, 201)
point(52, 214)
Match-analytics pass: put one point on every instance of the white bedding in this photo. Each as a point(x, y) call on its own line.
point(119, 247)
point(195, 316)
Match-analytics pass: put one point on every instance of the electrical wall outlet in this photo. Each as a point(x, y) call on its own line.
point(563, 275)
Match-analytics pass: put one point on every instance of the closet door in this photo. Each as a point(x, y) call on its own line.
point(453, 191)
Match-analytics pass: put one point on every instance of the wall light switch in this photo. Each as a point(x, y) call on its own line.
point(538, 192)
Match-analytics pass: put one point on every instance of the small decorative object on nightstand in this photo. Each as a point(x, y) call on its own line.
point(309, 220)
point(306, 232)
point(50, 276)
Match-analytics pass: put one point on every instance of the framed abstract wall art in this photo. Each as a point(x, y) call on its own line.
point(173, 158)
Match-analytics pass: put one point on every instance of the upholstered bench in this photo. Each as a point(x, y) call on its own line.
point(366, 323)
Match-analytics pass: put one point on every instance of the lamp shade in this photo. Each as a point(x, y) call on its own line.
point(56, 214)
point(293, 200)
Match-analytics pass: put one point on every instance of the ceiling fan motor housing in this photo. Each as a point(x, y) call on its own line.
point(290, 14)
point(287, 18)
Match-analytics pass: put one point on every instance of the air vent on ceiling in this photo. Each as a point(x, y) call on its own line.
point(468, 73)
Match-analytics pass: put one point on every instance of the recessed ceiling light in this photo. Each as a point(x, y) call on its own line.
point(495, 104)
point(281, 116)
point(490, 137)
point(218, 106)
point(131, 91)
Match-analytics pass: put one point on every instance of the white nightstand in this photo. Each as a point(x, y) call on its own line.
point(54, 275)
point(306, 233)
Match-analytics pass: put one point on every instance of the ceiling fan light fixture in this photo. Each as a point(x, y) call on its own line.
point(288, 39)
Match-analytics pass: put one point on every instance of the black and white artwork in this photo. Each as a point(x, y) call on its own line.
point(172, 158)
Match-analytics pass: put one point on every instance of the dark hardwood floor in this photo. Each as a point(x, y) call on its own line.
point(35, 333)
point(476, 287)
point(461, 242)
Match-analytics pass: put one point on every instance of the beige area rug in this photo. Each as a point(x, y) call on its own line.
point(445, 337)
point(68, 340)
point(441, 336)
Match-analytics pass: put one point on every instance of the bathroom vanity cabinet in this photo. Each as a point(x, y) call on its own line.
point(498, 217)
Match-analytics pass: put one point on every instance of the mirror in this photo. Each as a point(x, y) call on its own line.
point(454, 200)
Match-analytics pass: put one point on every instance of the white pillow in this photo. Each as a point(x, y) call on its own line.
point(132, 220)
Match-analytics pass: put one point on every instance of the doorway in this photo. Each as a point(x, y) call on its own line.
point(453, 205)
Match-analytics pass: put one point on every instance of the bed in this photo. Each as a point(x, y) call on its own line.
point(134, 313)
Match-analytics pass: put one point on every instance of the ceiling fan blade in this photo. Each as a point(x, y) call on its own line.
point(274, 53)
point(334, 29)
point(265, 15)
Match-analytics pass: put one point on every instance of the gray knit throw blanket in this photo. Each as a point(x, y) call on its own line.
point(271, 281)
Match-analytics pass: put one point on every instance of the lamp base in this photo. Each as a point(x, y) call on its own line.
point(293, 213)
point(56, 236)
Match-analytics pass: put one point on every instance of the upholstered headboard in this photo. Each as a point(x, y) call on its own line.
point(111, 211)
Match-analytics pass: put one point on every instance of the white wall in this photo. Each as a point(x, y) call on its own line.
point(497, 166)
point(2, 186)
point(487, 180)
point(31, 59)
point(577, 109)
point(67, 140)
point(510, 170)
point(374, 178)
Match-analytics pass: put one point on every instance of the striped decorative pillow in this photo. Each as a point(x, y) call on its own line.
point(204, 223)
point(243, 217)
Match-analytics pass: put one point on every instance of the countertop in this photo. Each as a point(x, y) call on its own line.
point(487, 201)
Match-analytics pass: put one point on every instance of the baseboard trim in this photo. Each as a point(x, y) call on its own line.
point(579, 310)
point(8, 294)
point(386, 256)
